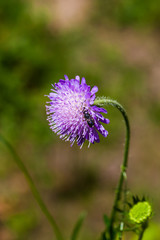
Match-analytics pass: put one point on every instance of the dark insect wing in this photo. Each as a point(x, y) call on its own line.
point(90, 123)
point(88, 118)
point(86, 114)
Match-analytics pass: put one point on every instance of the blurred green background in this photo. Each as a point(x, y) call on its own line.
point(114, 45)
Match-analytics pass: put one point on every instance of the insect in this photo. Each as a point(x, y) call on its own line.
point(88, 118)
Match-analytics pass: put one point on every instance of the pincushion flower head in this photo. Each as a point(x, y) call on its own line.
point(71, 113)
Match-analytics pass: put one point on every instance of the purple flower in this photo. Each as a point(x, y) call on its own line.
point(71, 113)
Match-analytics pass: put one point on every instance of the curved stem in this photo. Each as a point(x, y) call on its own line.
point(125, 159)
point(33, 188)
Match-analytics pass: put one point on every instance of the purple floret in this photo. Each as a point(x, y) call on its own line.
point(71, 113)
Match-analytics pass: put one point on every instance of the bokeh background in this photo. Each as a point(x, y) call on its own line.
point(114, 45)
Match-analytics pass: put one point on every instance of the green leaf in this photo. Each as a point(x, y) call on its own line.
point(22, 223)
point(78, 226)
point(104, 236)
point(118, 210)
point(106, 220)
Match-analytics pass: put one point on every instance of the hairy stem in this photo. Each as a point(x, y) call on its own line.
point(124, 165)
point(33, 188)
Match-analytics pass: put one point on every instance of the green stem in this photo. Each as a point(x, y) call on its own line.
point(143, 230)
point(114, 103)
point(141, 235)
point(33, 188)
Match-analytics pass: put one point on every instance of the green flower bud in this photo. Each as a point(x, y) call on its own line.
point(140, 212)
